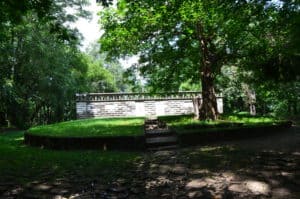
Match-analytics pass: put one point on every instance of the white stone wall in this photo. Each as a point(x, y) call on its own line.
point(137, 108)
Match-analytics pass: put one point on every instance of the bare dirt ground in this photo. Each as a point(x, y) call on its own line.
point(287, 141)
point(265, 167)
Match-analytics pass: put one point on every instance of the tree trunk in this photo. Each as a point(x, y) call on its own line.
point(295, 105)
point(3, 121)
point(208, 109)
point(252, 109)
point(252, 100)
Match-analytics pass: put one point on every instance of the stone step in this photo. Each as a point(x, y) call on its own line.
point(159, 136)
point(155, 126)
point(158, 132)
point(161, 145)
point(170, 134)
point(154, 121)
point(160, 139)
point(162, 148)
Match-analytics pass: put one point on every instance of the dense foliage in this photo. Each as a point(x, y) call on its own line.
point(182, 42)
point(247, 50)
point(41, 67)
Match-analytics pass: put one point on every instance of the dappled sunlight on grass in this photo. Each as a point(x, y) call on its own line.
point(251, 120)
point(188, 124)
point(183, 120)
point(19, 139)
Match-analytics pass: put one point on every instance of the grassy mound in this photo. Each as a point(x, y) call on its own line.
point(187, 123)
point(102, 127)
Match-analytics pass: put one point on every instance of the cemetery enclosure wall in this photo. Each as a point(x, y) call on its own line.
point(136, 104)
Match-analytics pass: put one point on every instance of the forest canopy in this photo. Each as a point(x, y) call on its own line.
point(246, 50)
point(195, 42)
point(41, 66)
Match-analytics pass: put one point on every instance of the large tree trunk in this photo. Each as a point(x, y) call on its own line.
point(208, 109)
point(250, 98)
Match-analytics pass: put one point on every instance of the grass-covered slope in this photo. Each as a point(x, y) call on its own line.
point(92, 128)
point(187, 123)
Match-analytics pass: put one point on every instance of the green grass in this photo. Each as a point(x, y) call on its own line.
point(22, 164)
point(92, 127)
point(187, 123)
point(251, 120)
point(230, 119)
point(181, 120)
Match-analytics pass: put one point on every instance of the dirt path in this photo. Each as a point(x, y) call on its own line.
point(287, 141)
point(265, 167)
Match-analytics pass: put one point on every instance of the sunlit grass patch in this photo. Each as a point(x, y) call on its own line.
point(251, 120)
point(92, 127)
point(176, 120)
point(229, 119)
point(187, 123)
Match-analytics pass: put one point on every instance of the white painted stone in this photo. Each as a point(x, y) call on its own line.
point(137, 108)
point(81, 107)
point(160, 107)
point(220, 105)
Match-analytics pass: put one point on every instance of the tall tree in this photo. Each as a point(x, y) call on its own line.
point(44, 73)
point(40, 66)
point(178, 40)
point(13, 12)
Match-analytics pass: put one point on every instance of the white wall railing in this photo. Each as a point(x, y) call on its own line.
point(99, 97)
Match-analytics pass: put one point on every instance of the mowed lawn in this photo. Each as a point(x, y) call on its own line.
point(92, 128)
point(182, 120)
point(187, 123)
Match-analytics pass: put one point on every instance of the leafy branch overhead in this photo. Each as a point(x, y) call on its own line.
point(181, 41)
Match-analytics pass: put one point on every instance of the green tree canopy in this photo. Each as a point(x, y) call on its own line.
point(40, 66)
point(189, 40)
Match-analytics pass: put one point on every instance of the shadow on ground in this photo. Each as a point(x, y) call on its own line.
point(258, 168)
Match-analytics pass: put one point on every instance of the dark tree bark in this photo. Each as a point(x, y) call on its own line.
point(208, 109)
point(2, 119)
point(295, 105)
